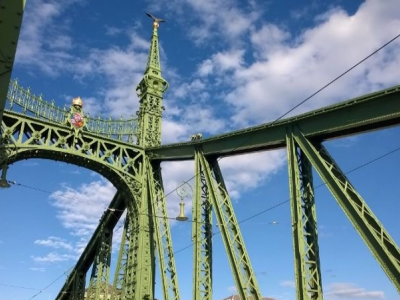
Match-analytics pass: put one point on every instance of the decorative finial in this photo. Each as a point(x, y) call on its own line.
point(156, 20)
point(77, 102)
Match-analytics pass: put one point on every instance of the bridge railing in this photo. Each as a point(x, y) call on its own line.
point(27, 102)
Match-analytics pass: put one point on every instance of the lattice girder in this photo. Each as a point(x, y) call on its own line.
point(202, 236)
point(78, 288)
point(164, 247)
point(139, 276)
point(304, 225)
point(378, 240)
point(125, 273)
point(99, 280)
point(122, 262)
point(246, 282)
point(28, 137)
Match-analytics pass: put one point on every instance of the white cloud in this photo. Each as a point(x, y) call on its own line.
point(37, 269)
point(350, 291)
point(287, 68)
point(80, 209)
point(232, 289)
point(185, 89)
point(191, 119)
point(53, 257)
point(222, 62)
point(45, 44)
point(113, 31)
point(221, 17)
point(174, 131)
point(41, 44)
point(268, 39)
point(55, 242)
point(244, 172)
point(287, 283)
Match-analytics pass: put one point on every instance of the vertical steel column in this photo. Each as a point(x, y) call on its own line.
point(11, 12)
point(202, 236)
point(378, 240)
point(304, 225)
point(246, 282)
point(144, 267)
point(99, 280)
point(128, 252)
point(168, 272)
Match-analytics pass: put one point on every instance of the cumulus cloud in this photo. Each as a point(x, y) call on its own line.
point(287, 68)
point(42, 45)
point(55, 242)
point(53, 257)
point(287, 283)
point(80, 209)
point(37, 269)
point(351, 291)
point(245, 172)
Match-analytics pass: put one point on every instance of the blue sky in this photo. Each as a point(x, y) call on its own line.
point(229, 64)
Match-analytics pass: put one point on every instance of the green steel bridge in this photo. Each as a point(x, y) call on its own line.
point(128, 152)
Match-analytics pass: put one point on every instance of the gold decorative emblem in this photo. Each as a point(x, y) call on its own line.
point(77, 102)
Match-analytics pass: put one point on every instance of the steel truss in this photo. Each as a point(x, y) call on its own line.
point(378, 240)
point(169, 276)
point(99, 280)
point(78, 288)
point(246, 282)
point(202, 235)
point(304, 224)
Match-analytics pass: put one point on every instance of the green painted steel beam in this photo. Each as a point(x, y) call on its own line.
point(166, 257)
point(242, 270)
point(369, 112)
point(304, 224)
point(11, 12)
point(99, 280)
point(375, 236)
point(109, 220)
point(202, 235)
point(144, 267)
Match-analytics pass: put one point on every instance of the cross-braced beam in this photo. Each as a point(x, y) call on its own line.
point(304, 224)
point(246, 282)
point(202, 236)
point(99, 280)
point(371, 230)
point(124, 268)
point(78, 288)
point(166, 259)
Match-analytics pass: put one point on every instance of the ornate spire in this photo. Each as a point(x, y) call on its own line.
point(150, 91)
point(153, 63)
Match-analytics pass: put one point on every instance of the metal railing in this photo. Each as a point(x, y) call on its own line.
point(122, 129)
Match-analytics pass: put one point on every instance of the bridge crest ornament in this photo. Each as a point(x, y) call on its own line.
point(77, 119)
